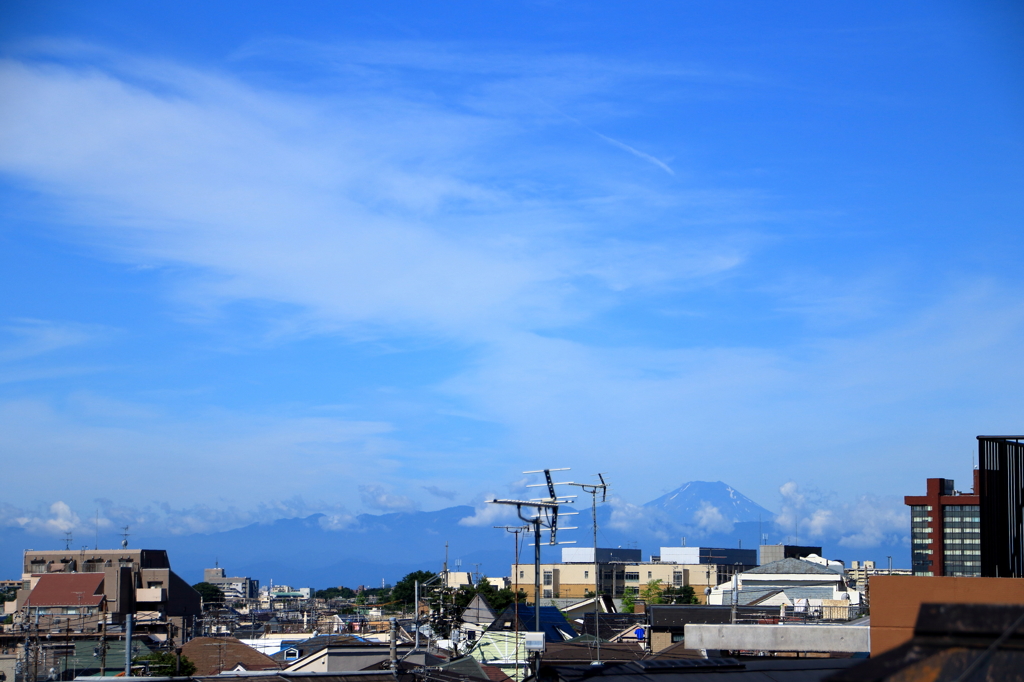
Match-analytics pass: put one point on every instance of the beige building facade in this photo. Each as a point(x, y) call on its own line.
point(576, 581)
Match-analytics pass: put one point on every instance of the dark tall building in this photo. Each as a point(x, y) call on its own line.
point(1001, 467)
point(945, 530)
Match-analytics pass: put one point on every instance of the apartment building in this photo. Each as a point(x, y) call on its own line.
point(945, 529)
point(622, 571)
point(134, 581)
point(234, 588)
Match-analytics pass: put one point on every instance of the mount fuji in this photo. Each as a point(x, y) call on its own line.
point(698, 502)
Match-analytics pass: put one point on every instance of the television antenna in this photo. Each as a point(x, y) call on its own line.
point(543, 516)
point(67, 540)
point(124, 537)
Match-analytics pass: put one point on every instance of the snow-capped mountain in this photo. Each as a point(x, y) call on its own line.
point(697, 502)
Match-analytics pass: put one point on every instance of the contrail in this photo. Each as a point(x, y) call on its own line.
point(635, 152)
point(621, 145)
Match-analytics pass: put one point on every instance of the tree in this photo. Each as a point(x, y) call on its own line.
point(652, 592)
point(404, 590)
point(165, 664)
point(335, 593)
point(210, 593)
point(688, 596)
point(505, 597)
point(628, 601)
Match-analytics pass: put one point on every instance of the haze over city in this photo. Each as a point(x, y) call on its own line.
point(262, 261)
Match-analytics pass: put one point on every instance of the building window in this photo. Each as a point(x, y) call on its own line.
point(630, 575)
point(548, 578)
point(632, 589)
point(586, 575)
point(547, 594)
point(522, 574)
point(677, 579)
point(649, 575)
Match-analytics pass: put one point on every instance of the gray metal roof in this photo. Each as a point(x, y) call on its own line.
point(808, 592)
point(790, 566)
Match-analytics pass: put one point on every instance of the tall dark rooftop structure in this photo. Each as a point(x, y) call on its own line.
point(1001, 489)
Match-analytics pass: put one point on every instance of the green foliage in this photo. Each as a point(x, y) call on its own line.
point(687, 596)
point(335, 593)
point(628, 602)
point(505, 597)
point(8, 594)
point(404, 590)
point(165, 664)
point(680, 595)
point(210, 593)
point(498, 599)
point(651, 593)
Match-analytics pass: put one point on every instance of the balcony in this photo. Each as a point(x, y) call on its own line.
point(150, 594)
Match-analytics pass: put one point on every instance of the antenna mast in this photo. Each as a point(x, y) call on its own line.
point(124, 537)
point(545, 516)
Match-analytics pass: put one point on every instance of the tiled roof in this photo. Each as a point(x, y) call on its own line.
point(496, 674)
point(564, 653)
point(790, 566)
point(479, 611)
point(213, 655)
point(67, 589)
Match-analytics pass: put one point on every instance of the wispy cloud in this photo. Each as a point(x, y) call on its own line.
point(314, 204)
point(54, 439)
point(439, 492)
point(380, 498)
point(23, 339)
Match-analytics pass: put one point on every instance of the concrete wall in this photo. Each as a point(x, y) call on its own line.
point(896, 599)
point(809, 638)
point(7, 663)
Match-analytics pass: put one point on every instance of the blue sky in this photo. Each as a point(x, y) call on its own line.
point(261, 259)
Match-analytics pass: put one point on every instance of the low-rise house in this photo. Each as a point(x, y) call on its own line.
point(68, 601)
point(804, 588)
point(214, 655)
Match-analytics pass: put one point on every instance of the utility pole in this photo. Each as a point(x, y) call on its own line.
point(516, 530)
point(593, 489)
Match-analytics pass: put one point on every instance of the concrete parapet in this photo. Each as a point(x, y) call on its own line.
point(819, 638)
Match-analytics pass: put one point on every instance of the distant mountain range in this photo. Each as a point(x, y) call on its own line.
point(307, 552)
